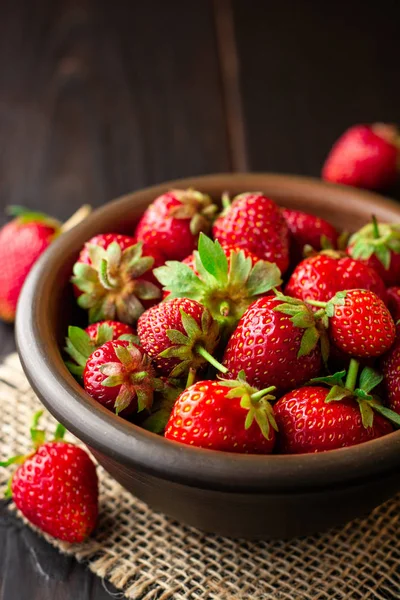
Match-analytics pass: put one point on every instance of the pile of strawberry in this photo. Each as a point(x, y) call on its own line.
point(212, 328)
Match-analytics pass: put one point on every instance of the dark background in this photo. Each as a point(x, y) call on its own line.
point(101, 98)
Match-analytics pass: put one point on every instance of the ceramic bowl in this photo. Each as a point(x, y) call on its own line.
point(235, 495)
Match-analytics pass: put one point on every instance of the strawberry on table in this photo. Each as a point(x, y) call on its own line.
point(277, 342)
point(22, 241)
point(224, 415)
point(226, 281)
point(316, 419)
point(378, 246)
point(56, 487)
point(180, 337)
point(256, 223)
point(365, 156)
point(359, 323)
point(114, 279)
point(308, 230)
point(80, 343)
point(173, 221)
point(321, 276)
point(120, 376)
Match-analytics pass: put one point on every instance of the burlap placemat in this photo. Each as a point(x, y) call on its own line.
point(150, 557)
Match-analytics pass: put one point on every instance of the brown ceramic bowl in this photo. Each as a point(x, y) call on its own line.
point(236, 495)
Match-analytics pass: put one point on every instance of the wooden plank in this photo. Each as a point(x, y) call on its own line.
point(308, 71)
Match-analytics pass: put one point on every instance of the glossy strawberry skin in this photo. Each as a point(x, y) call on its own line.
point(308, 424)
point(256, 223)
point(93, 378)
point(363, 326)
point(56, 489)
point(364, 156)
point(154, 324)
point(393, 294)
point(21, 244)
point(159, 229)
point(321, 276)
point(390, 367)
point(265, 345)
point(306, 229)
point(118, 329)
point(203, 416)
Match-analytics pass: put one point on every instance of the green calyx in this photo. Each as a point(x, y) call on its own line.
point(38, 437)
point(225, 286)
point(134, 374)
point(195, 206)
point(26, 215)
point(255, 402)
point(196, 347)
point(79, 345)
point(314, 324)
point(112, 286)
point(166, 393)
point(378, 239)
point(368, 403)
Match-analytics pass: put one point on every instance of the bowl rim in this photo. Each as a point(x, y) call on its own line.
point(141, 450)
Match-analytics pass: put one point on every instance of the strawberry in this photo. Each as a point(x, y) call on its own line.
point(359, 323)
point(378, 246)
point(225, 285)
point(180, 336)
point(174, 220)
point(390, 366)
point(276, 343)
point(120, 376)
point(308, 230)
point(114, 279)
point(224, 415)
point(22, 241)
point(321, 276)
point(80, 343)
point(364, 156)
point(56, 487)
point(393, 294)
point(256, 223)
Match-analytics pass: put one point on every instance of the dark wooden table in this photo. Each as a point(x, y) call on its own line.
point(100, 98)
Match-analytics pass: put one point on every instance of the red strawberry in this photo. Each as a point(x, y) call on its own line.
point(256, 223)
point(225, 283)
point(393, 294)
point(114, 278)
point(56, 487)
point(378, 246)
point(390, 366)
point(120, 376)
point(321, 276)
point(360, 324)
point(22, 241)
point(364, 156)
point(174, 220)
point(308, 230)
point(307, 422)
point(80, 343)
point(180, 336)
point(275, 343)
point(224, 415)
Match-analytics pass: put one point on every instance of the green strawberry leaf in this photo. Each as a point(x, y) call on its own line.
point(213, 258)
point(179, 279)
point(75, 370)
point(263, 277)
point(392, 416)
point(81, 343)
point(105, 333)
point(337, 393)
point(190, 325)
point(240, 268)
point(331, 380)
point(383, 254)
point(369, 379)
point(309, 341)
point(367, 414)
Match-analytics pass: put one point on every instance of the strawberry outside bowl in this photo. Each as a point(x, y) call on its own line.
point(248, 496)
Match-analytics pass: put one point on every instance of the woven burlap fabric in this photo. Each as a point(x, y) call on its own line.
point(150, 557)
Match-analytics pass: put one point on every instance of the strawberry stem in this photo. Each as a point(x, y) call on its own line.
point(316, 303)
point(191, 377)
point(375, 228)
point(203, 352)
point(258, 395)
point(224, 308)
point(352, 373)
point(226, 201)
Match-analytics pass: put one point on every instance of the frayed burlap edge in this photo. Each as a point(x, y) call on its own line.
point(150, 557)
